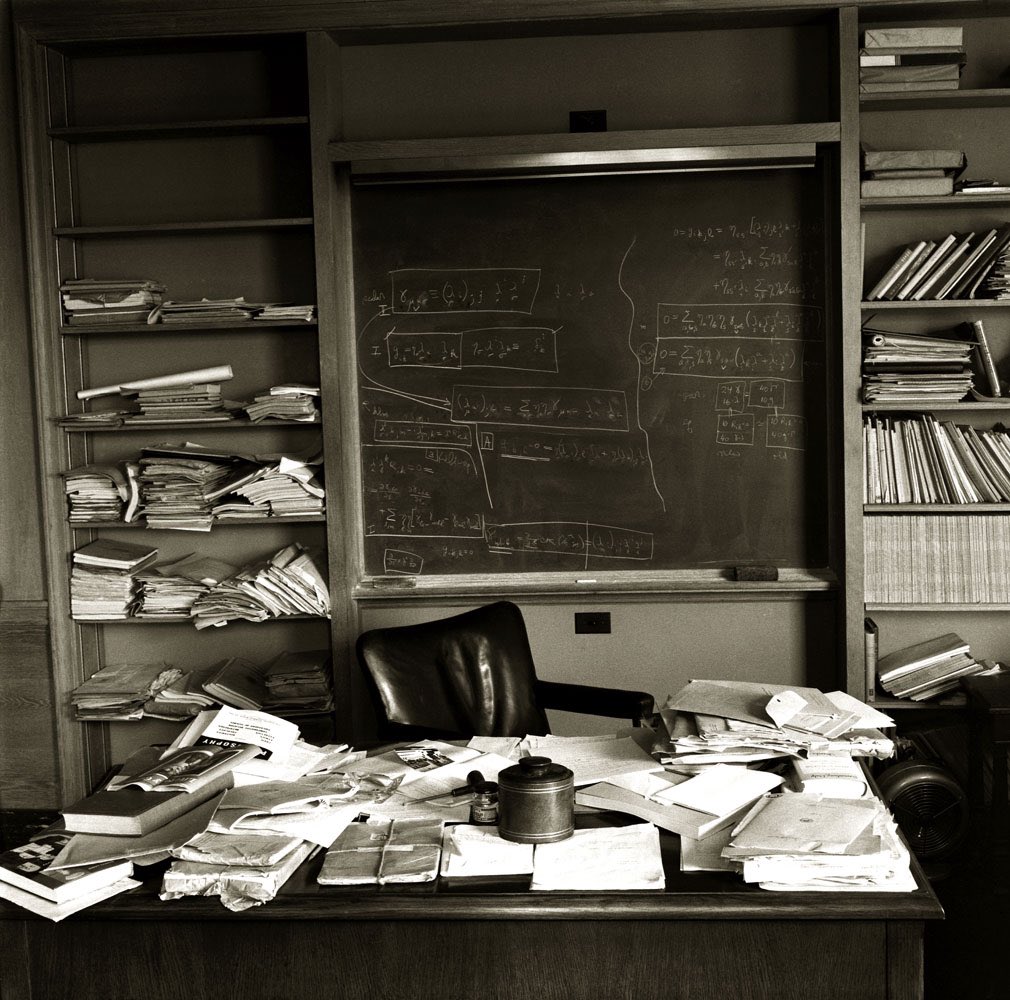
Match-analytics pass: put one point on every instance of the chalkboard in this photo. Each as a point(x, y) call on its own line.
point(619, 372)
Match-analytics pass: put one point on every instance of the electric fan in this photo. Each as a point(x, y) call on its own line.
point(929, 807)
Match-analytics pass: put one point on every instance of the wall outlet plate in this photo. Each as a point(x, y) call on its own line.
point(592, 622)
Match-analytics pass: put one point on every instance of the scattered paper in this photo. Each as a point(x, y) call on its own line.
point(624, 857)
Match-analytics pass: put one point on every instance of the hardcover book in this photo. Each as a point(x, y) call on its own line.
point(27, 868)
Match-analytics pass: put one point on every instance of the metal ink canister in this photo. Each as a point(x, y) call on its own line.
point(536, 802)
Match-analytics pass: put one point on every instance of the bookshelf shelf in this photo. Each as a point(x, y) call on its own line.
point(918, 406)
point(215, 425)
point(225, 225)
point(891, 305)
point(173, 130)
point(169, 329)
point(981, 97)
point(939, 201)
point(271, 521)
point(934, 608)
point(176, 620)
point(936, 508)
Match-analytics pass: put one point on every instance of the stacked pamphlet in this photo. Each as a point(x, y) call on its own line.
point(901, 367)
point(104, 582)
point(95, 493)
point(909, 173)
point(920, 58)
point(119, 691)
point(88, 301)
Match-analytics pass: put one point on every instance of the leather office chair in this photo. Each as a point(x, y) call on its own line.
point(472, 674)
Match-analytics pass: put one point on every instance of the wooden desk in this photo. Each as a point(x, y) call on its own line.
point(707, 936)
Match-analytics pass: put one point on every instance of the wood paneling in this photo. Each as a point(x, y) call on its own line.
point(27, 741)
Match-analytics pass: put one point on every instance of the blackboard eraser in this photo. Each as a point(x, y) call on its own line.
point(755, 573)
point(393, 583)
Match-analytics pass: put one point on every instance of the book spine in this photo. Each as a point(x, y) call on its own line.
point(871, 635)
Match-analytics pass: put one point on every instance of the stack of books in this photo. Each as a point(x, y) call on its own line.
point(928, 669)
point(920, 459)
point(286, 402)
point(909, 173)
point(103, 579)
point(925, 57)
point(901, 367)
point(180, 404)
point(293, 581)
point(26, 877)
point(90, 301)
point(954, 266)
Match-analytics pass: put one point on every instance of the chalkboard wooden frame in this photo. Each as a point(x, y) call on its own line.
point(455, 160)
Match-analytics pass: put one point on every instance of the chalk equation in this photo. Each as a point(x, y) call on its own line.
point(464, 289)
point(760, 319)
point(532, 349)
point(400, 562)
point(583, 539)
point(565, 407)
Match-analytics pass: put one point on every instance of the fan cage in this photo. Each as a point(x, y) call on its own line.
point(928, 805)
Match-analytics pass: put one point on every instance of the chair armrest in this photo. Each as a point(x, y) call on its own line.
point(614, 703)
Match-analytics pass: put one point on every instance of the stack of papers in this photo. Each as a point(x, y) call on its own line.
point(593, 758)
point(171, 589)
point(201, 312)
point(286, 402)
point(725, 721)
point(291, 582)
point(282, 313)
point(95, 493)
point(618, 858)
point(694, 807)
point(179, 484)
point(298, 681)
point(800, 841)
point(289, 488)
point(384, 852)
point(119, 691)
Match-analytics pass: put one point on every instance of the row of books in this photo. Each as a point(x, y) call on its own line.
point(955, 266)
point(97, 302)
point(919, 58)
point(925, 368)
point(903, 173)
point(108, 583)
point(290, 683)
point(919, 459)
point(937, 559)
point(185, 486)
point(929, 669)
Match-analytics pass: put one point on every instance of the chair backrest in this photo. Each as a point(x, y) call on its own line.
point(469, 674)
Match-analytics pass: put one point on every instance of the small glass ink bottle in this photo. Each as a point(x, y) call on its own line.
point(484, 807)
